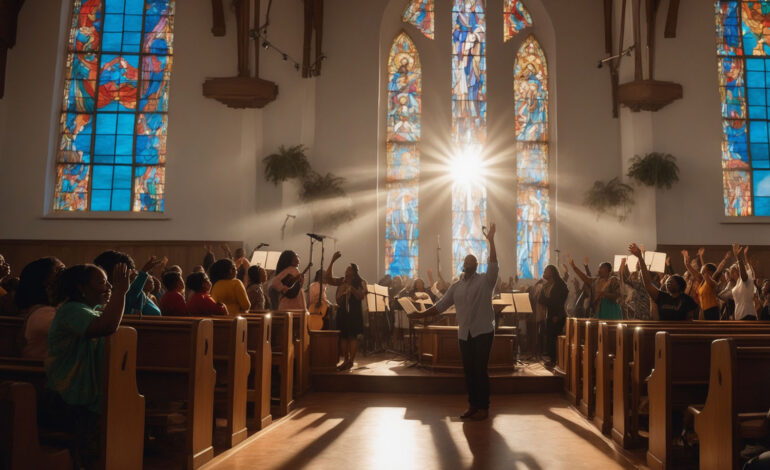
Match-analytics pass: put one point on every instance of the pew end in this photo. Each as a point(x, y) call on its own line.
point(324, 350)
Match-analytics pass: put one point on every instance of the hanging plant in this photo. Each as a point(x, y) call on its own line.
point(330, 204)
point(286, 164)
point(655, 169)
point(613, 197)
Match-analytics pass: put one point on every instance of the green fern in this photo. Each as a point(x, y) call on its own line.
point(612, 196)
point(286, 164)
point(655, 169)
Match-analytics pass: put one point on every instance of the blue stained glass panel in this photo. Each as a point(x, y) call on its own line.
point(755, 17)
point(515, 18)
point(420, 13)
point(71, 187)
point(728, 28)
point(113, 71)
point(403, 161)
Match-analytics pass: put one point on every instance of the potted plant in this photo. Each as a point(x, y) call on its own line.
point(655, 169)
point(613, 197)
point(286, 164)
point(330, 205)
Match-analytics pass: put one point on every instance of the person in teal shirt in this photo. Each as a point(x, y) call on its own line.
point(605, 291)
point(75, 362)
point(137, 301)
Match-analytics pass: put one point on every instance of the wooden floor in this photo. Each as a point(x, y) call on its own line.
point(387, 431)
point(390, 364)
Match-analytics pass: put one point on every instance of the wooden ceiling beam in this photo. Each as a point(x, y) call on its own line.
point(672, 19)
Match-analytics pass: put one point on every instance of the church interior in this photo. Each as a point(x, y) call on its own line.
point(417, 234)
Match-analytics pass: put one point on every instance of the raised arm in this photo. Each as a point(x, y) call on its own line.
point(329, 276)
point(581, 274)
point(492, 271)
point(430, 277)
point(651, 290)
point(740, 256)
point(721, 267)
point(701, 252)
point(693, 272)
point(107, 323)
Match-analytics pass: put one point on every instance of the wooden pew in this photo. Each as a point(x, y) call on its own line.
point(175, 363)
point(123, 408)
point(634, 358)
point(261, 357)
point(568, 340)
point(282, 356)
point(20, 446)
point(679, 379)
point(232, 364)
point(605, 357)
point(301, 338)
point(575, 391)
point(11, 334)
point(324, 350)
point(738, 398)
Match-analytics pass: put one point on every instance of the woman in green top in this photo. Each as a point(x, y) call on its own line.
point(74, 366)
point(605, 291)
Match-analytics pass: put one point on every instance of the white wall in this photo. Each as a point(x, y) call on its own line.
point(215, 186)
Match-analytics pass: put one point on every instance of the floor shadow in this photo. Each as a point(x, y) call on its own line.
point(490, 450)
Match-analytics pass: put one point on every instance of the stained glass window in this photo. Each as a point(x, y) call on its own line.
point(469, 128)
point(530, 90)
point(744, 89)
point(515, 18)
point(112, 148)
point(403, 166)
point(420, 13)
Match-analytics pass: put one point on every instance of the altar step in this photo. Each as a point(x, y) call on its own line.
point(389, 374)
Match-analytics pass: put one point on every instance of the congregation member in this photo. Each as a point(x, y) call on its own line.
point(605, 291)
point(743, 291)
point(553, 295)
point(173, 302)
point(200, 302)
point(137, 302)
point(227, 288)
point(286, 286)
point(672, 303)
point(636, 300)
point(351, 292)
point(241, 264)
point(9, 285)
point(75, 362)
point(706, 279)
point(256, 276)
point(35, 299)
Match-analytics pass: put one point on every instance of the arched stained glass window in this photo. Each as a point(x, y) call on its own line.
point(403, 167)
point(112, 151)
point(469, 129)
point(532, 199)
point(420, 13)
point(743, 47)
point(515, 18)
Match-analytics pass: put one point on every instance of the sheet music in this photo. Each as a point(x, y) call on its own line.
point(259, 258)
point(506, 298)
point(407, 305)
point(521, 301)
point(631, 261)
point(656, 262)
point(380, 290)
point(371, 302)
point(272, 260)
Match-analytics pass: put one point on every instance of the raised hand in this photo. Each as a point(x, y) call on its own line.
point(120, 280)
point(337, 255)
point(634, 249)
point(151, 263)
point(585, 261)
point(491, 232)
point(668, 260)
point(686, 256)
point(701, 252)
point(737, 249)
point(728, 254)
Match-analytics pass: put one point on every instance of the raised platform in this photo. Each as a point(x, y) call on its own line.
point(390, 373)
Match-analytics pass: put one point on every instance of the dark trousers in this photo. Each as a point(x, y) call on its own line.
point(475, 353)
point(711, 313)
point(554, 327)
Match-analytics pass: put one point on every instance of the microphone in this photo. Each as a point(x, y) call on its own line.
point(291, 216)
point(261, 245)
point(315, 236)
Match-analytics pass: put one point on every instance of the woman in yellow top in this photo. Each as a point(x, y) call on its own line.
point(707, 278)
point(227, 288)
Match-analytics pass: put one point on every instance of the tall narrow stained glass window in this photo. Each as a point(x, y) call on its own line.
point(420, 13)
point(403, 167)
point(743, 56)
point(112, 150)
point(515, 18)
point(530, 90)
point(469, 129)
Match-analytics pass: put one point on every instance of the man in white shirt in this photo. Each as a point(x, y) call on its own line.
point(743, 292)
point(472, 297)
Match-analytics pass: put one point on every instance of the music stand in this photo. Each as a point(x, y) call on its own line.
point(522, 305)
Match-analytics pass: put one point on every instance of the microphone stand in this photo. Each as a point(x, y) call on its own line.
point(309, 274)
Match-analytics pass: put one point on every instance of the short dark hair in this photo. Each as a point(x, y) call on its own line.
point(110, 258)
point(220, 270)
point(254, 272)
point(171, 279)
point(195, 281)
point(680, 282)
point(607, 264)
point(32, 289)
point(72, 279)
